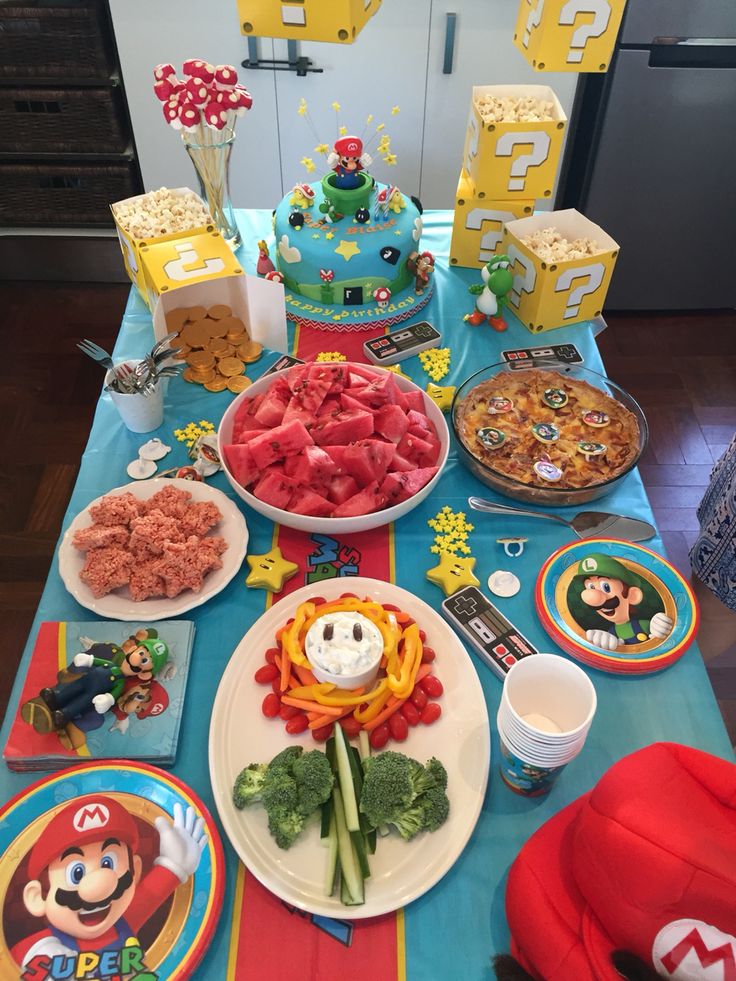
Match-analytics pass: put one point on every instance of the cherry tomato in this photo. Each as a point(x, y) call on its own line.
point(267, 673)
point(422, 636)
point(391, 607)
point(317, 600)
point(432, 686)
point(398, 727)
point(287, 712)
point(410, 713)
point(418, 698)
point(321, 735)
point(351, 726)
point(379, 736)
point(431, 712)
point(276, 684)
point(298, 724)
point(348, 596)
point(271, 654)
point(428, 655)
point(271, 705)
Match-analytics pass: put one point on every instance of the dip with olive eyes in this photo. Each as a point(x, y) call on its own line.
point(344, 649)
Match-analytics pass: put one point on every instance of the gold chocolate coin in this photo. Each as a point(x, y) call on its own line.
point(195, 335)
point(227, 352)
point(181, 352)
point(197, 313)
point(203, 376)
point(191, 376)
point(218, 345)
point(218, 311)
point(217, 328)
point(250, 351)
point(230, 366)
point(175, 319)
point(201, 359)
point(238, 383)
point(218, 384)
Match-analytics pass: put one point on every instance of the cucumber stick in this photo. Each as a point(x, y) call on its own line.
point(345, 774)
point(364, 746)
point(331, 871)
point(351, 874)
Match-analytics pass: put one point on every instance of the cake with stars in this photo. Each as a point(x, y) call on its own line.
point(348, 248)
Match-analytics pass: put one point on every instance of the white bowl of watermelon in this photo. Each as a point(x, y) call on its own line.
point(333, 446)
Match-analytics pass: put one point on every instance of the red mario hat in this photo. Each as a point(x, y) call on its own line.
point(159, 702)
point(645, 862)
point(83, 820)
point(348, 146)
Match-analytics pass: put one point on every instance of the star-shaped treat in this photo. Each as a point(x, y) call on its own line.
point(347, 249)
point(270, 570)
point(441, 395)
point(453, 573)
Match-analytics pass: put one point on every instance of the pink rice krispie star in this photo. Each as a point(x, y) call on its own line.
point(182, 566)
point(149, 534)
point(100, 536)
point(170, 500)
point(199, 518)
point(145, 582)
point(116, 509)
point(106, 569)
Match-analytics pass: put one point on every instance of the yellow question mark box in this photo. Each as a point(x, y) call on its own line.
point(477, 228)
point(510, 160)
point(185, 260)
point(568, 35)
point(550, 295)
point(306, 20)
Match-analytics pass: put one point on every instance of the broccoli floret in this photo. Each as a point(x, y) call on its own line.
point(437, 772)
point(286, 758)
point(421, 778)
point(285, 826)
point(248, 786)
point(410, 821)
point(435, 808)
point(314, 781)
point(279, 790)
point(388, 789)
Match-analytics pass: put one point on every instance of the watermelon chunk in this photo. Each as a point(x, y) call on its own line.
point(419, 420)
point(240, 463)
point(341, 487)
point(376, 393)
point(275, 489)
point(368, 460)
point(344, 427)
point(366, 501)
point(417, 450)
point(270, 412)
point(307, 501)
point(285, 440)
point(391, 422)
point(337, 455)
point(246, 435)
point(313, 467)
point(401, 464)
point(296, 410)
point(296, 375)
point(331, 406)
point(337, 375)
point(348, 402)
point(401, 486)
point(414, 400)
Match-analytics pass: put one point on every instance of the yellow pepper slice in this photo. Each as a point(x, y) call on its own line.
point(402, 686)
point(310, 691)
point(346, 697)
point(374, 708)
point(290, 638)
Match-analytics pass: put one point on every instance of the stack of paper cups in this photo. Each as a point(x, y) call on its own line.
point(547, 707)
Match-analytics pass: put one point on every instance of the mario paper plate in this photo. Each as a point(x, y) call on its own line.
point(616, 606)
point(108, 870)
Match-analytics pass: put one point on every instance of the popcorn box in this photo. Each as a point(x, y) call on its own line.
point(513, 159)
point(477, 227)
point(306, 20)
point(568, 35)
point(184, 259)
point(545, 296)
point(259, 303)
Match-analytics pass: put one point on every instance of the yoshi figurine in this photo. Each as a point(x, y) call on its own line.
point(491, 296)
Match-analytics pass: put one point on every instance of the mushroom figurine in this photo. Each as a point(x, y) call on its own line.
point(226, 76)
point(274, 276)
point(264, 266)
point(194, 68)
point(302, 196)
point(189, 116)
point(197, 91)
point(160, 72)
point(215, 115)
point(382, 295)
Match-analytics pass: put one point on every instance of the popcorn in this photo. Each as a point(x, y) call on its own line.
point(551, 246)
point(161, 212)
point(510, 109)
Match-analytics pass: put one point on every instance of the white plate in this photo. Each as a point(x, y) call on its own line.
point(118, 605)
point(240, 734)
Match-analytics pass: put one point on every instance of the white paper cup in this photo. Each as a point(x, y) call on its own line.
point(140, 413)
point(526, 750)
point(550, 698)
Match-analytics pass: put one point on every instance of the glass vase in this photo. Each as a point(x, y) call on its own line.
point(212, 163)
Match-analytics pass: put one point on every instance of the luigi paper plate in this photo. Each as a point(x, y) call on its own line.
point(107, 870)
point(616, 606)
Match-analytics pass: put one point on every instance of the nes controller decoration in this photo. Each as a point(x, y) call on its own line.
point(564, 353)
point(402, 344)
point(495, 639)
point(285, 361)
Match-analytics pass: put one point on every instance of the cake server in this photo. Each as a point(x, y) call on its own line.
point(585, 524)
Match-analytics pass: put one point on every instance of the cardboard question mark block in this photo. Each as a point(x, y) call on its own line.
point(185, 260)
point(568, 35)
point(477, 228)
point(550, 295)
point(306, 20)
point(513, 160)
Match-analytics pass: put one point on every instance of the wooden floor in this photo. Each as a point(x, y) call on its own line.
point(680, 367)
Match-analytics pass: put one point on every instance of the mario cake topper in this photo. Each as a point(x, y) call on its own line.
point(101, 887)
point(616, 606)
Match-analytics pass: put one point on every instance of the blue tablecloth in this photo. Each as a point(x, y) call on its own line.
point(676, 705)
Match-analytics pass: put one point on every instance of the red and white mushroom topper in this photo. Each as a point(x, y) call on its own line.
point(194, 68)
point(382, 295)
point(225, 76)
point(274, 276)
point(348, 156)
point(189, 116)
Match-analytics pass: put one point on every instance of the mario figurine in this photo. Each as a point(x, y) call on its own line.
point(613, 591)
point(347, 160)
point(84, 877)
point(99, 686)
point(139, 698)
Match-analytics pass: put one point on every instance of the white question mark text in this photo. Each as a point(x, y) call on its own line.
point(595, 273)
point(540, 142)
point(601, 10)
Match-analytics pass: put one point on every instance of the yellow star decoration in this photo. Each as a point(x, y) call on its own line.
point(302, 110)
point(453, 531)
point(441, 396)
point(380, 127)
point(347, 249)
point(369, 120)
point(395, 110)
point(322, 148)
point(343, 130)
point(390, 159)
point(336, 106)
point(315, 235)
point(270, 570)
point(397, 232)
point(453, 573)
point(330, 356)
point(436, 362)
point(330, 235)
point(308, 163)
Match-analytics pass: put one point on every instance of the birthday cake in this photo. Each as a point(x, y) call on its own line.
point(348, 248)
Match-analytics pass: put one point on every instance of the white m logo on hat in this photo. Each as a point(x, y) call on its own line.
point(91, 816)
point(690, 950)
